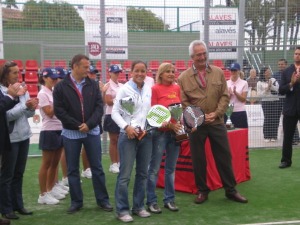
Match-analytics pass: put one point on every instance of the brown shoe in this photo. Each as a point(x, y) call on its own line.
point(201, 198)
point(237, 197)
point(4, 222)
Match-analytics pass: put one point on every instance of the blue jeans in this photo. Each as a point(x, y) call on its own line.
point(11, 176)
point(92, 144)
point(162, 141)
point(131, 150)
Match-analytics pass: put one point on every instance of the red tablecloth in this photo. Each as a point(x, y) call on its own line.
point(184, 176)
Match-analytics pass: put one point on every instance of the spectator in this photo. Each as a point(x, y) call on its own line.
point(165, 93)
point(13, 162)
point(79, 106)
point(252, 84)
point(130, 148)
point(282, 65)
point(205, 86)
point(50, 141)
point(290, 87)
point(109, 125)
point(267, 89)
point(238, 90)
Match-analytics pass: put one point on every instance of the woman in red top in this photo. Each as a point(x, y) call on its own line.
point(165, 92)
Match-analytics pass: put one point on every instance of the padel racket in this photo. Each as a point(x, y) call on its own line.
point(157, 115)
point(193, 117)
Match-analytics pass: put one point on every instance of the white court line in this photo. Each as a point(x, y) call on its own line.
point(273, 223)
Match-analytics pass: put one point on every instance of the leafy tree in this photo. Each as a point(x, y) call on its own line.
point(140, 19)
point(44, 15)
point(10, 3)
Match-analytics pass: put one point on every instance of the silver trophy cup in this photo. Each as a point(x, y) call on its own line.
point(228, 113)
point(176, 113)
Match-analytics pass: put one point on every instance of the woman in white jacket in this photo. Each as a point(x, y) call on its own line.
point(14, 161)
point(267, 88)
point(137, 92)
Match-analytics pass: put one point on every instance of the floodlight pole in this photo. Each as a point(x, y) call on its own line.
point(241, 37)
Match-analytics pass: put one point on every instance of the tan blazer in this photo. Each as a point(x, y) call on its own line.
point(213, 98)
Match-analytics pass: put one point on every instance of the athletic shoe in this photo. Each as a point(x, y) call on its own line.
point(64, 181)
point(273, 140)
point(55, 194)
point(267, 140)
point(142, 213)
point(171, 206)
point(47, 199)
point(114, 168)
point(125, 218)
point(154, 208)
point(61, 186)
point(60, 190)
point(87, 173)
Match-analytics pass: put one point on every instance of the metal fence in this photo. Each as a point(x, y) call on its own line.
point(51, 32)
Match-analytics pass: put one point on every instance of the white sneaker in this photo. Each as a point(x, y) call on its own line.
point(273, 140)
point(61, 186)
point(114, 168)
point(87, 173)
point(64, 181)
point(267, 140)
point(125, 218)
point(47, 199)
point(55, 194)
point(60, 190)
point(142, 213)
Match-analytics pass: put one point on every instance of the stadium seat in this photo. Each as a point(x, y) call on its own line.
point(113, 62)
point(99, 66)
point(153, 65)
point(31, 77)
point(167, 61)
point(180, 65)
point(122, 78)
point(227, 74)
point(32, 89)
point(127, 65)
point(190, 63)
point(60, 63)
point(46, 63)
point(219, 63)
point(31, 65)
point(19, 63)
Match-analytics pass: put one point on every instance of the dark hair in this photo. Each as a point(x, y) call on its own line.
point(134, 63)
point(282, 60)
point(297, 48)
point(262, 73)
point(77, 58)
point(5, 70)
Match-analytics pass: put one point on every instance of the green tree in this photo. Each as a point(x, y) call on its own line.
point(140, 19)
point(44, 15)
point(10, 3)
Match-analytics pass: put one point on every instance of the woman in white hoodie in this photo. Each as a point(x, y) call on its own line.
point(14, 161)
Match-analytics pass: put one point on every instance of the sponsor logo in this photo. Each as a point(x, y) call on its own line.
point(114, 20)
point(225, 31)
point(115, 51)
point(94, 48)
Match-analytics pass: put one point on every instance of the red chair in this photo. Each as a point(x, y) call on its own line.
point(153, 65)
point(32, 89)
point(31, 65)
point(99, 66)
point(219, 63)
point(31, 77)
point(168, 61)
point(19, 63)
point(60, 63)
point(122, 78)
point(227, 74)
point(46, 63)
point(127, 65)
point(180, 65)
point(113, 62)
point(190, 63)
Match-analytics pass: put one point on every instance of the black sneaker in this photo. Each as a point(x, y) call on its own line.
point(154, 208)
point(171, 206)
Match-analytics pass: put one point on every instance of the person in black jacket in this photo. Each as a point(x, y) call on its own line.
point(290, 87)
point(7, 102)
point(78, 104)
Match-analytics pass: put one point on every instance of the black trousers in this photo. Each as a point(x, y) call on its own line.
point(217, 135)
point(289, 124)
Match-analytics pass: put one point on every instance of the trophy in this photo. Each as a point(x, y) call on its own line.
point(128, 107)
point(228, 114)
point(176, 113)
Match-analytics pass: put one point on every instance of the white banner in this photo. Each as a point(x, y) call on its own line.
point(115, 33)
point(223, 32)
point(1, 34)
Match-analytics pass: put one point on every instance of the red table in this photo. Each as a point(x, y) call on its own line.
point(184, 176)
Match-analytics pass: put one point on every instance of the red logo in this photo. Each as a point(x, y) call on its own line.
point(94, 48)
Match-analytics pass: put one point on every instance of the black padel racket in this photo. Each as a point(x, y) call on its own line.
point(193, 117)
